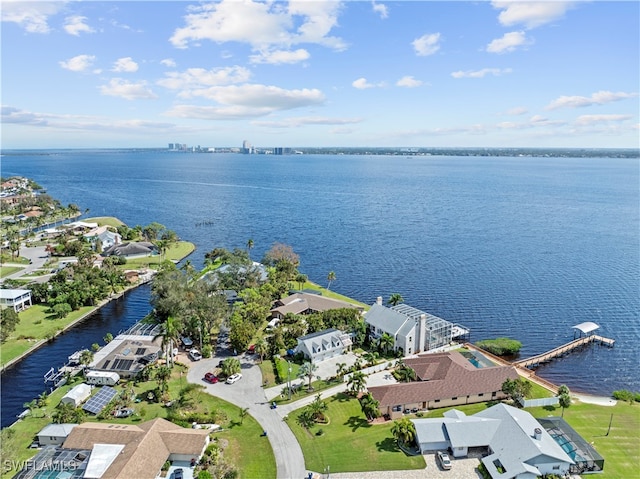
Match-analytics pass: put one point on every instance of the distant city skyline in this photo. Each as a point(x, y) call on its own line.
point(548, 74)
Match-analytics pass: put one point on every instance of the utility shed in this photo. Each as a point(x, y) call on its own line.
point(54, 434)
point(77, 395)
point(102, 378)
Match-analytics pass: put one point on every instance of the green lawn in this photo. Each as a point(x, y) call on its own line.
point(241, 435)
point(105, 221)
point(176, 252)
point(350, 443)
point(35, 325)
point(327, 293)
point(7, 270)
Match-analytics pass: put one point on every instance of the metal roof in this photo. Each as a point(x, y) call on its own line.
point(586, 327)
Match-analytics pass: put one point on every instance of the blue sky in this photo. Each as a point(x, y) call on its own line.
point(310, 73)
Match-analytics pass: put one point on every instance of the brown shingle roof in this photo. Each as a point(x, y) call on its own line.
point(443, 376)
point(300, 302)
point(147, 446)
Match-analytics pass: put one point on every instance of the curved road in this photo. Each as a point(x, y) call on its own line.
point(248, 393)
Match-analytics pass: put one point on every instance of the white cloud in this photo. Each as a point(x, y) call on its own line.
point(596, 119)
point(531, 14)
point(362, 84)
point(32, 16)
point(409, 82)
point(193, 78)
point(276, 57)
point(78, 63)
point(261, 24)
point(261, 96)
point(427, 44)
point(121, 88)
point(598, 98)
point(519, 110)
point(307, 120)
point(380, 9)
point(481, 73)
point(76, 25)
point(236, 112)
point(508, 43)
point(125, 65)
point(168, 62)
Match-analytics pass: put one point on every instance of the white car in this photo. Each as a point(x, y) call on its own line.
point(233, 378)
point(444, 460)
point(195, 355)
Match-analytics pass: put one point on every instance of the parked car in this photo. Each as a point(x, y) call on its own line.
point(443, 459)
point(211, 378)
point(233, 378)
point(195, 355)
point(123, 412)
point(251, 349)
point(178, 473)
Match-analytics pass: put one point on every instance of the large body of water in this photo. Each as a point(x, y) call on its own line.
point(517, 247)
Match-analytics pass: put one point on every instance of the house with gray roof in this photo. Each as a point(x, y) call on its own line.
point(18, 299)
point(324, 344)
point(307, 303)
point(133, 249)
point(514, 445)
point(413, 331)
point(103, 234)
point(54, 434)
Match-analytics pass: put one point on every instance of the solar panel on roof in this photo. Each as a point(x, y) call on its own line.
point(140, 351)
point(97, 402)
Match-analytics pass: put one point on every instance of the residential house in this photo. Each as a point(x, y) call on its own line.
point(513, 444)
point(18, 299)
point(443, 380)
point(54, 434)
point(104, 235)
point(133, 249)
point(413, 331)
point(307, 303)
point(324, 344)
point(127, 355)
point(121, 451)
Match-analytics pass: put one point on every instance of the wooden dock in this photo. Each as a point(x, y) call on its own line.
point(535, 361)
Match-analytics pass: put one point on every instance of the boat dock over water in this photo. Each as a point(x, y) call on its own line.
point(583, 328)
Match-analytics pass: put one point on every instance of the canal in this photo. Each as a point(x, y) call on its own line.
point(25, 380)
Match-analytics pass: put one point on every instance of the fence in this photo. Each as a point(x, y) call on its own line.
point(539, 402)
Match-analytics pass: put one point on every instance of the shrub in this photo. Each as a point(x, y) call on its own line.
point(626, 395)
point(501, 346)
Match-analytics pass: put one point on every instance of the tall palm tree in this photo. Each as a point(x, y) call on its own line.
point(331, 277)
point(341, 370)
point(249, 247)
point(318, 407)
point(170, 335)
point(357, 382)
point(386, 342)
point(301, 279)
point(370, 407)
point(403, 430)
point(163, 373)
point(395, 299)
point(261, 348)
point(306, 371)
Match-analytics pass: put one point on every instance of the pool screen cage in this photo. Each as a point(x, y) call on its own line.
point(587, 460)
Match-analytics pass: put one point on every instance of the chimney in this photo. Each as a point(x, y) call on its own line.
point(379, 300)
point(537, 433)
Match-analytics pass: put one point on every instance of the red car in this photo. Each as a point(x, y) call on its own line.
point(211, 378)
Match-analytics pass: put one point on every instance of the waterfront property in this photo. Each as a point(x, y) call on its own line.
point(127, 355)
point(77, 395)
point(443, 380)
point(104, 235)
point(514, 445)
point(18, 299)
point(324, 344)
point(132, 249)
point(413, 331)
point(120, 451)
point(307, 303)
point(54, 434)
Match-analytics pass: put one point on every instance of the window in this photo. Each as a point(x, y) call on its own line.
point(493, 394)
point(437, 400)
point(453, 399)
point(481, 394)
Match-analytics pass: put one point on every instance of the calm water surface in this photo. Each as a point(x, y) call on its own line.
point(518, 247)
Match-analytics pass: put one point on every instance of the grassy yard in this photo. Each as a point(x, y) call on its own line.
point(176, 252)
point(7, 270)
point(105, 221)
point(327, 293)
point(35, 324)
point(349, 443)
point(240, 434)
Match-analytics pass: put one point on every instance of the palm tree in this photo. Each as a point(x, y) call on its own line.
point(357, 382)
point(249, 247)
point(331, 277)
point(370, 357)
point(301, 279)
point(169, 335)
point(403, 430)
point(86, 357)
point(370, 407)
point(261, 348)
point(230, 366)
point(564, 397)
point(306, 371)
point(243, 413)
point(341, 370)
point(163, 373)
point(318, 407)
point(386, 342)
point(395, 299)
point(405, 374)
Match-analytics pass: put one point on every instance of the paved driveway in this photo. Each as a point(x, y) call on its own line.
point(248, 392)
point(460, 469)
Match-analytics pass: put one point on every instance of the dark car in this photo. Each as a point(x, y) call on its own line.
point(178, 474)
point(211, 378)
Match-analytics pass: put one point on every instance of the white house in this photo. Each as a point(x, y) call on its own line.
point(77, 395)
point(54, 434)
point(107, 237)
point(513, 443)
point(18, 299)
point(413, 331)
point(324, 344)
